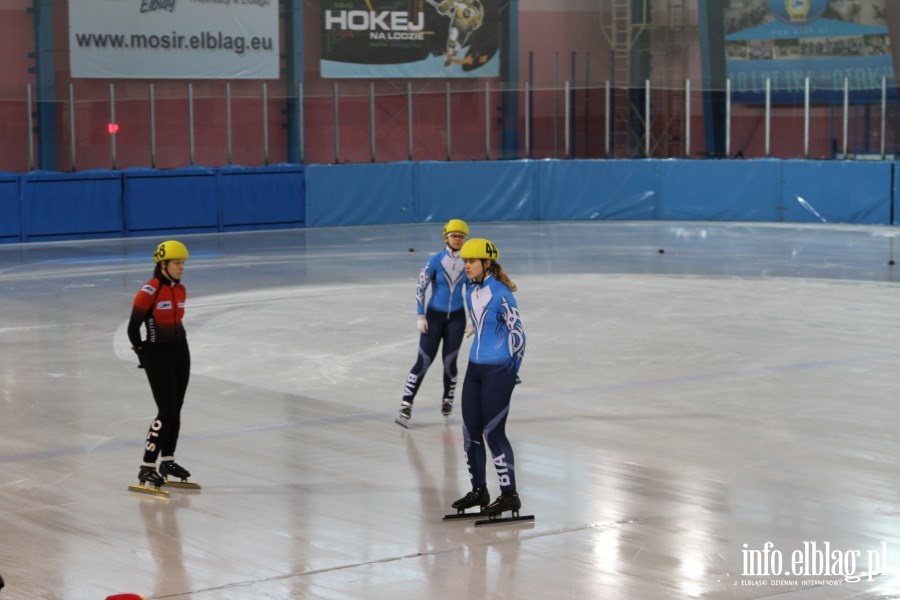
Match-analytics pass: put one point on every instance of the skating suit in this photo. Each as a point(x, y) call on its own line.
point(159, 307)
point(497, 351)
point(446, 317)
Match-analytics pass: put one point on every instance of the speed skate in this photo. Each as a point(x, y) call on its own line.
point(150, 490)
point(488, 518)
point(151, 482)
point(496, 519)
point(462, 514)
point(182, 485)
point(489, 512)
point(176, 476)
point(508, 502)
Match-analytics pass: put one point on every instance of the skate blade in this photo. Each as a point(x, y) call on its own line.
point(464, 515)
point(182, 485)
point(500, 520)
point(402, 423)
point(150, 491)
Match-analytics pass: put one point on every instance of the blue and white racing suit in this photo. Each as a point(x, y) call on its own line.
point(446, 317)
point(494, 360)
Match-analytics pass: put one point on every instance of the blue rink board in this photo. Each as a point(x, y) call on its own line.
point(177, 199)
point(70, 205)
point(46, 206)
point(10, 218)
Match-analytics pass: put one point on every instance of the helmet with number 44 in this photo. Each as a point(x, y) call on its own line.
point(479, 248)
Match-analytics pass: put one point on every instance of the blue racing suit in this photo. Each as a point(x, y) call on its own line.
point(446, 317)
point(494, 360)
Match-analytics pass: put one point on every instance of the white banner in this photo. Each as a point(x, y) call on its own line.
point(174, 39)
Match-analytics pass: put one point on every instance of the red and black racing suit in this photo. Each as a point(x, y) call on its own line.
point(159, 306)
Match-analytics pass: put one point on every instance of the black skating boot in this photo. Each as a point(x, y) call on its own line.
point(477, 497)
point(503, 503)
point(149, 476)
point(446, 408)
point(169, 468)
point(404, 415)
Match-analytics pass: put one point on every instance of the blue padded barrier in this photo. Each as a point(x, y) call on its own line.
point(71, 205)
point(363, 194)
point(721, 190)
point(264, 197)
point(819, 191)
point(172, 201)
point(483, 191)
point(91, 204)
point(895, 195)
point(598, 189)
point(10, 208)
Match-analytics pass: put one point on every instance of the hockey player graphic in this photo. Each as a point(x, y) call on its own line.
point(425, 38)
point(466, 16)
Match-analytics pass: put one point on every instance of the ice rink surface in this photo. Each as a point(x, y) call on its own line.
point(679, 410)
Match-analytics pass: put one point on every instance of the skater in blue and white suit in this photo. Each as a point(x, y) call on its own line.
point(494, 360)
point(441, 321)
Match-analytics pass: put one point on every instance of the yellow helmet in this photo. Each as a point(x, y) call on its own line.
point(456, 226)
point(479, 248)
point(170, 250)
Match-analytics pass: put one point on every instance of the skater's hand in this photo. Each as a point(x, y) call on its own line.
point(469, 330)
point(422, 324)
point(139, 350)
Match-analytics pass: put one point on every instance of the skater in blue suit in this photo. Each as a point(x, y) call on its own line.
point(494, 360)
point(441, 321)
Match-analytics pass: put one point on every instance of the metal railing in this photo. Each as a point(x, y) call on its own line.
point(484, 120)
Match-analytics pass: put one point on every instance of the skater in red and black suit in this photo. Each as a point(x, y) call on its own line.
point(164, 355)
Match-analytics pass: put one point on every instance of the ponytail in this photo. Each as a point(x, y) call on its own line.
point(502, 277)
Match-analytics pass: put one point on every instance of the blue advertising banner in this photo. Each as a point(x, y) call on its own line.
point(787, 41)
point(410, 38)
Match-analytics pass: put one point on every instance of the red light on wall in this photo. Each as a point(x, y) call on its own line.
point(113, 128)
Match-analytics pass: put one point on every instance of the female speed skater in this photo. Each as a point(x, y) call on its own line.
point(494, 361)
point(165, 357)
point(441, 321)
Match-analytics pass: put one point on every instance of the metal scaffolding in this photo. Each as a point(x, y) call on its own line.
point(649, 42)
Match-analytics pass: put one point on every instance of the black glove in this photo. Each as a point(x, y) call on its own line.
point(139, 350)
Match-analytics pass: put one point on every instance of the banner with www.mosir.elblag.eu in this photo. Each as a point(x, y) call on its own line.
point(174, 39)
point(410, 38)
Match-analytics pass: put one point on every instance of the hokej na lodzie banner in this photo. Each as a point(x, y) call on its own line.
point(410, 38)
point(788, 41)
point(174, 39)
